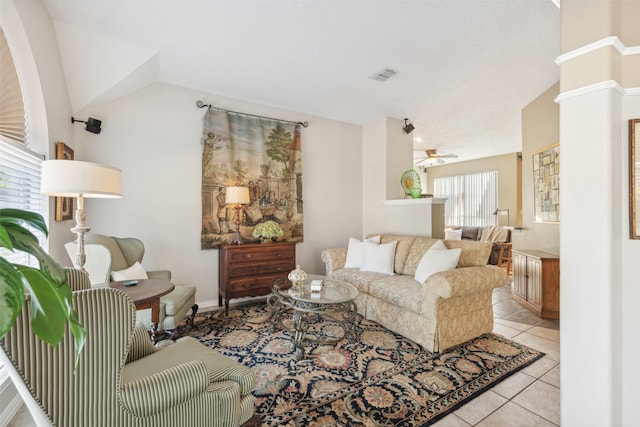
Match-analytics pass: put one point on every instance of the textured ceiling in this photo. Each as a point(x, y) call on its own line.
point(465, 68)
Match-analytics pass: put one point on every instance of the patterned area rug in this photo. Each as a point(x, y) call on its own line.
point(382, 379)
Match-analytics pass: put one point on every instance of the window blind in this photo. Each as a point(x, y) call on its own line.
point(20, 189)
point(471, 199)
point(13, 120)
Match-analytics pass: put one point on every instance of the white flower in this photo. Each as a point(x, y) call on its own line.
point(268, 230)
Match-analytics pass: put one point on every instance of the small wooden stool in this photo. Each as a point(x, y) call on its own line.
point(505, 256)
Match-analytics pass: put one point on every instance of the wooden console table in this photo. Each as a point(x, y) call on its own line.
point(536, 281)
point(249, 269)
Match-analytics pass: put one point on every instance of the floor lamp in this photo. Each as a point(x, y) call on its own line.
point(238, 196)
point(499, 211)
point(70, 178)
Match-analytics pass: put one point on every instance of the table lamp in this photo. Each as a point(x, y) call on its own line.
point(499, 211)
point(238, 196)
point(70, 178)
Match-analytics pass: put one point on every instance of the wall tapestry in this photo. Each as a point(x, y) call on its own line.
point(546, 184)
point(262, 154)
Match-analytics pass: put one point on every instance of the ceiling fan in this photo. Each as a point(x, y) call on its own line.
point(432, 157)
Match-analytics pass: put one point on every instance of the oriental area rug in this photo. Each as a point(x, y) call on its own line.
point(381, 379)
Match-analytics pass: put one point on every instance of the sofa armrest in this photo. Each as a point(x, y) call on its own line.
point(334, 259)
point(159, 274)
point(159, 392)
point(465, 280)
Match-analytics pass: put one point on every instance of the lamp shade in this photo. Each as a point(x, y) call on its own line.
point(237, 194)
point(71, 178)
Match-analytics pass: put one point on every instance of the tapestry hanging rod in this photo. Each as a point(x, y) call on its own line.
point(201, 104)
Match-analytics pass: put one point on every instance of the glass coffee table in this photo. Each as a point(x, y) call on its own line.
point(334, 304)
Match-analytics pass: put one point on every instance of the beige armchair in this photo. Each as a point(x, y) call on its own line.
point(105, 254)
point(122, 379)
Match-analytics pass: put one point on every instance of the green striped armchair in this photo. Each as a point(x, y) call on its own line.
point(122, 379)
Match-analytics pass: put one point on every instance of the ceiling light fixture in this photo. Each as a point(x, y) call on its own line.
point(92, 125)
point(408, 127)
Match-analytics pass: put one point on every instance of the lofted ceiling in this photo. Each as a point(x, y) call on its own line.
point(465, 68)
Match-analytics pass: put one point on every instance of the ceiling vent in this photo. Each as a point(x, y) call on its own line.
point(384, 75)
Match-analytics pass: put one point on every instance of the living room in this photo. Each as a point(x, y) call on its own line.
point(153, 134)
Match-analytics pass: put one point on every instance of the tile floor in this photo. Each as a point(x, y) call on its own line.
point(530, 397)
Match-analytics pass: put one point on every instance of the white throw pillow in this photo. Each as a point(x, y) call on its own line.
point(451, 234)
point(355, 251)
point(379, 258)
point(437, 258)
point(135, 272)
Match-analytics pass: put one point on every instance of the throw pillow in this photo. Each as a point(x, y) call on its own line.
point(135, 272)
point(437, 258)
point(379, 258)
point(355, 251)
point(451, 234)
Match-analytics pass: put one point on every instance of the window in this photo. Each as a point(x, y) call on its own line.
point(471, 199)
point(20, 167)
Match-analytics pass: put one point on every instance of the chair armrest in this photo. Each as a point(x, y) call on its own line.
point(465, 280)
point(159, 274)
point(334, 259)
point(141, 345)
point(164, 390)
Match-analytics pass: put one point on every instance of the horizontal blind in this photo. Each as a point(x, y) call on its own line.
point(20, 171)
point(471, 199)
point(13, 119)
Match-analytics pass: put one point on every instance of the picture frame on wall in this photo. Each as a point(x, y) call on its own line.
point(64, 205)
point(546, 184)
point(634, 179)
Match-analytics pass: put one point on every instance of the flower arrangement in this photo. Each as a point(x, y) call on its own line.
point(267, 230)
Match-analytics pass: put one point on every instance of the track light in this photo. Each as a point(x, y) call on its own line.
point(92, 125)
point(408, 127)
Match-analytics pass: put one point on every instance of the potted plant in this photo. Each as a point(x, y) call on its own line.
point(267, 231)
point(49, 292)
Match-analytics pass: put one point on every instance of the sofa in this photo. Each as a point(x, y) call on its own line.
point(449, 308)
point(482, 233)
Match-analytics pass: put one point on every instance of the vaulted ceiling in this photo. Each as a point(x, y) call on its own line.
point(465, 68)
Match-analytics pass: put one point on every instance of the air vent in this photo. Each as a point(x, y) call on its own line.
point(384, 75)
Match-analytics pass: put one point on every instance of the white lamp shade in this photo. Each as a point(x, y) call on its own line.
point(237, 194)
point(71, 178)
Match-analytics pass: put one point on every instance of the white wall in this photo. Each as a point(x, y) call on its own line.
point(386, 154)
point(153, 135)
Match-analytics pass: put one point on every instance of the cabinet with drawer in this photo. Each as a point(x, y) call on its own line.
point(249, 269)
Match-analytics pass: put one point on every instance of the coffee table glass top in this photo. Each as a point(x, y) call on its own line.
point(333, 291)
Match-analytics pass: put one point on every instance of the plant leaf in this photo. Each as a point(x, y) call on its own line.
point(11, 296)
point(25, 241)
point(5, 240)
point(20, 217)
point(50, 304)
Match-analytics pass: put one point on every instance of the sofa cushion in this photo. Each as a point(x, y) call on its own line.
point(402, 249)
point(359, 279)
point(451, 234)
point(379, 258)
point(473, 253)
point(470, 233)
point(437, 258)
point(400, 290)
point(355, 251)
point(418, 248)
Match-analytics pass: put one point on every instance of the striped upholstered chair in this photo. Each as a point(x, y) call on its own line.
point(122, 379)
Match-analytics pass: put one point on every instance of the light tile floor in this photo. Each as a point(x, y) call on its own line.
point(530, 397)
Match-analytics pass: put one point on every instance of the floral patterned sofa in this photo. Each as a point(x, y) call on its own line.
point(451, 306)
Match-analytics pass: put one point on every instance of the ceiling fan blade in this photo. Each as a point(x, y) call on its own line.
point(451, 156)
point(440, 160)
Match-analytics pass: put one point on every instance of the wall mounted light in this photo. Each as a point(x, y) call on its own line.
point(92, 125)
point(408, 127)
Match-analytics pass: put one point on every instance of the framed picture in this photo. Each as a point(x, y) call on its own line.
point(546, 184)
point(64, 205)
point(634, 179)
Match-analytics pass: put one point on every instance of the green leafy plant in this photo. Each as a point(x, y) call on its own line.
point(267, 230)
point(49, 292)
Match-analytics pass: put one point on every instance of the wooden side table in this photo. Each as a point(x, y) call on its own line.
point(146, 294)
